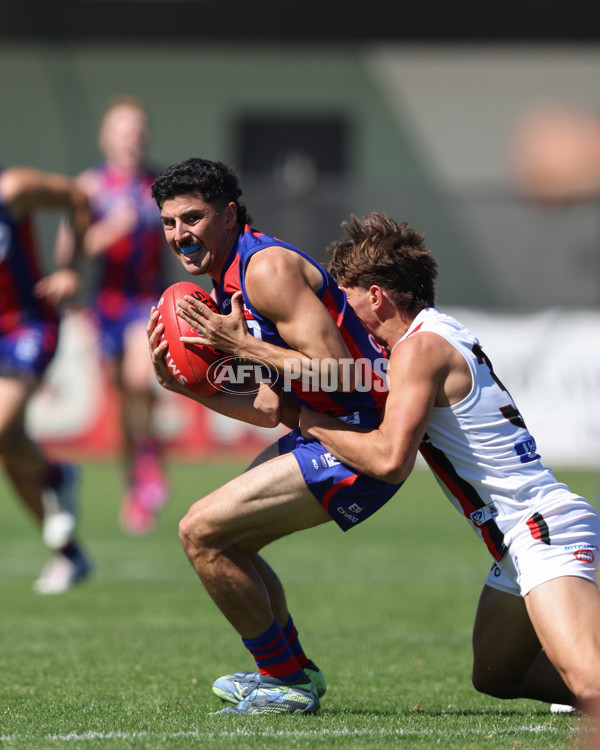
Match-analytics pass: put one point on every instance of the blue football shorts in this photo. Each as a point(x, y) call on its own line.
point(113, 328)
point(28, 350)
point(349, 497)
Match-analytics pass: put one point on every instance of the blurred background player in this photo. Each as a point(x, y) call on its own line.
point(555, 154)
point(29, 327)
point(126, 242)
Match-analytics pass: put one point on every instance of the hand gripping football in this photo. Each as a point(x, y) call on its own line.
point(187, 362)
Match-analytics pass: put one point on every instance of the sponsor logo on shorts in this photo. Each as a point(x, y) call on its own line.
point(579, 545)
point(584, 555)
point(328, 460)
point(349, 516)
point(355, 508)
point(353, 418)
point(482, 515)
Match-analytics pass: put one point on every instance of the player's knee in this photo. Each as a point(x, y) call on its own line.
point(138, 391)
point(492, 683)
point(196, 533)
point(190, 534)
point(585, 686)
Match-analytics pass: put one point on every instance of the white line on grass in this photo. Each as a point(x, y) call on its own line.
point(291, 733)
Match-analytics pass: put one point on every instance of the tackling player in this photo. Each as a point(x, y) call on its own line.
point(536, 633)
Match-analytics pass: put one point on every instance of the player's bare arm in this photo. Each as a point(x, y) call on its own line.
point(263, 408)
point(282, 287)
point(420, 367)
point(25, 189)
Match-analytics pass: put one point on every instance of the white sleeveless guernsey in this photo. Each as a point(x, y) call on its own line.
point(481, 452)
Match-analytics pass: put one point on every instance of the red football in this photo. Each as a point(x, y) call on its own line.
point(187, 362)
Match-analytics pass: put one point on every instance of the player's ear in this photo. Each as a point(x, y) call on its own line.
point(376, 296)
point(230, 212)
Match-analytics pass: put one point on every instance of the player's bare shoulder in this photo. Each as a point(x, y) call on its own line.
point(276, 277)
point(429, 356)
point(274, 261)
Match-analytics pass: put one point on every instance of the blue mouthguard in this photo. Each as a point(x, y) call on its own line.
point(189, 249)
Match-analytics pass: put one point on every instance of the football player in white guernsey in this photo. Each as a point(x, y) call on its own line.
point(537, 629)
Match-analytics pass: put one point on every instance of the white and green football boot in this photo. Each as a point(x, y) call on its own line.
point(272, 696)
point(234, 688)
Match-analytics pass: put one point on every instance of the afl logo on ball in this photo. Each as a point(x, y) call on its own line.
point(232, 375)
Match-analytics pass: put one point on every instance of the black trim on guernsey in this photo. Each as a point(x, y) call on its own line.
point(467, 492)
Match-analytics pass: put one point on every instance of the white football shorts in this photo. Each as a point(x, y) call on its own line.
point(561, 540)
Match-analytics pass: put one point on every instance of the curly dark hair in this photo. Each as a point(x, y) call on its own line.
point(378, 250)
point(214, 181)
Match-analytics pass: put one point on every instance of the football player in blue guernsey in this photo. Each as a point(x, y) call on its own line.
point(537, 628)
point(29, 326)
point(284, 308)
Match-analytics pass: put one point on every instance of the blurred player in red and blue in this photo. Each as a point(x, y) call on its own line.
point(127, 245)
point(29, 328)
point(277, 305)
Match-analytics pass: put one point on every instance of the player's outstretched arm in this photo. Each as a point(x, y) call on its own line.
point(263, 409)
point(417, 368)
point(25, 190)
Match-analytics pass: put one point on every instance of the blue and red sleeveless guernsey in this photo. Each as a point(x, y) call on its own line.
point(20, 270)
point(132, 267)
point(361, 406)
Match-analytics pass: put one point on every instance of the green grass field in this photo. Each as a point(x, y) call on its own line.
point(127, 659)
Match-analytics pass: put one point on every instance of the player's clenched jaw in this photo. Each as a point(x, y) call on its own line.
point(200, 234)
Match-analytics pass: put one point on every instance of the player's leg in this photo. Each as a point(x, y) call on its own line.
point(37, 481)
point(234, 687)
point(277, 595)
point(45, 488)
point(124, 344)
point(148, 485)
point(508, 658)
point(22, 459)
point(222, 531)
point(565, 613)
point(137, 380)
point(221, 535)
point(270, 579)
point(271, 451)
